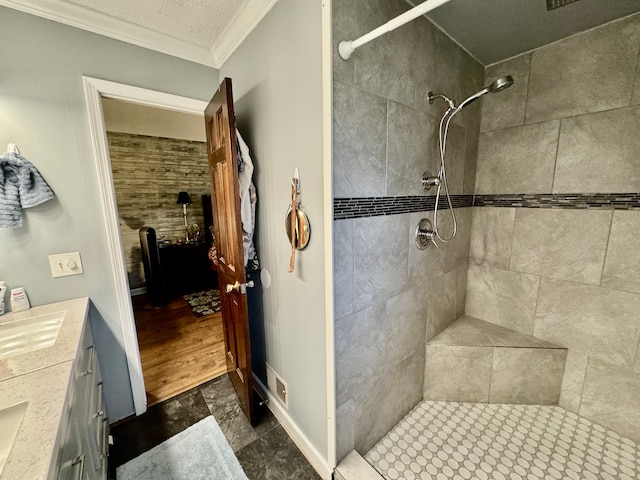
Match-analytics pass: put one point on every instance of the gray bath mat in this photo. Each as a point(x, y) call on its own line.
point(199, 453)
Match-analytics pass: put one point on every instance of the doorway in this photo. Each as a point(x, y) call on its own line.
point(265, 447)
point(95, 91)
point(158, 160)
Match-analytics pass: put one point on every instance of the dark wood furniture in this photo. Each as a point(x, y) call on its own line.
point(186, 268)
point(172, 270)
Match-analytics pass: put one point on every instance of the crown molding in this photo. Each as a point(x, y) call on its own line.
point(232, 36)
point(241, 25)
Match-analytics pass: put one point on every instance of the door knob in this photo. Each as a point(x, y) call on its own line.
point(237, 286)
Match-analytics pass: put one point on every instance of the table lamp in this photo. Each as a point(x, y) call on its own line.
point(184, 200)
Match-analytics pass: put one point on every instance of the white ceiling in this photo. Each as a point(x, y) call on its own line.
point(202, 31)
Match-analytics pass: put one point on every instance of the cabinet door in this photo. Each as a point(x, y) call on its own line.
point(72, 463)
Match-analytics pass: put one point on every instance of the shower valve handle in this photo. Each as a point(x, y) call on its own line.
point(425, 235)
point(431, 236)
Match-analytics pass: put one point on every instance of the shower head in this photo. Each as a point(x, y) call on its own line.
point(497, 86)
point(500, 84)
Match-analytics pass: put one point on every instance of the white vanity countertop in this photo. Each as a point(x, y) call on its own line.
point(42, 378)
point(45, 390)
point(66, 346)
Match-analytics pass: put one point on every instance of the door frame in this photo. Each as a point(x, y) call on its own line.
point(95, 90)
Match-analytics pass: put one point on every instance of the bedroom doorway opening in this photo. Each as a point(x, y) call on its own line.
point(160, 177)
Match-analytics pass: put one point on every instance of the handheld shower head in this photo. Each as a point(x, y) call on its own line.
point(497, 86)
point(441, 180)
point(500, 84)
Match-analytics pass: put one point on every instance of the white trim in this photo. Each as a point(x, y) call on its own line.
point(241, 25)
point(138, 291)
point(299, 438)
point(327, 174)
point(149, 98)
point(96, 22)
point(94, 90)
point(238, 28)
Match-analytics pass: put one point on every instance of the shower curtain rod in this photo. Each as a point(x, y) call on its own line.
point(346, 48)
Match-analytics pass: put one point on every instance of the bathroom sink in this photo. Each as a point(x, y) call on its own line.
point(10, 419)
point(25, 335)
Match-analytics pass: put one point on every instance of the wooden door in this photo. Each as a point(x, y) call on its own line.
point(225, 194)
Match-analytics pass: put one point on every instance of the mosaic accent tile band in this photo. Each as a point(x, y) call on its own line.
point(449, 440)
point(375, 206)
point(603, 201)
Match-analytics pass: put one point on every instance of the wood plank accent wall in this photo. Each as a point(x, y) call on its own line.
point(148, 173)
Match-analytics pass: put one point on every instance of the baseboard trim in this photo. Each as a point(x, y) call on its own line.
point(138, 291)
point(299, 438)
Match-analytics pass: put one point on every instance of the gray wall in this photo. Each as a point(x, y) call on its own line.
point(568, 125)
point(389, 296)
point(42, 110)
point(277, 83)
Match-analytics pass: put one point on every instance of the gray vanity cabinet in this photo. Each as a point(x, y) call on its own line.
point(84, 444)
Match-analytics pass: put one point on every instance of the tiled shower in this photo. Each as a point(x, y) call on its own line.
point(537, 251)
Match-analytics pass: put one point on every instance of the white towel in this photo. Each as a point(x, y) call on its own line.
point(246, 211)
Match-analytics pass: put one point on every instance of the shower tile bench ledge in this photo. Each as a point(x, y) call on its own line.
point(477, 361)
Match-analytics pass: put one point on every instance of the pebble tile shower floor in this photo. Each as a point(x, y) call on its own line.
point(450, 440)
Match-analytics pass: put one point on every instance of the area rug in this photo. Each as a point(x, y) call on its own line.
point(198, 453)
point(204, 302)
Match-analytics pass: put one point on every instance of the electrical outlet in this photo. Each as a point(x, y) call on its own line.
point(281, 392)
point(277, 386)
point(65, 264)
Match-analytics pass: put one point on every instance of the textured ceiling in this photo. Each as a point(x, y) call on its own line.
point(196, 21)
point(202, 31)
point(493, 30)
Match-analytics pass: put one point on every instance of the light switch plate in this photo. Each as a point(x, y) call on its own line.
point(65, 264)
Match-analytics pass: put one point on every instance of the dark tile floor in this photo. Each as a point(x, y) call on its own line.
point(265, 451)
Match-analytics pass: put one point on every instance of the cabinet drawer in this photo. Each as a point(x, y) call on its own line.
point(74, 469)
point(85, 365)
point(99, 441)
point(72, 461)
point(96, 402)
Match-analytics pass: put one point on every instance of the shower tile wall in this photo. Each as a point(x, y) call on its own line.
point(569, 125)
point(389, 296)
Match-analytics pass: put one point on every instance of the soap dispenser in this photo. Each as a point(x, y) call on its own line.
point(19, 300)
point(3, 291)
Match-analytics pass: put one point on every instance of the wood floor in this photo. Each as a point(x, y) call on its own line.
point(178, 350)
